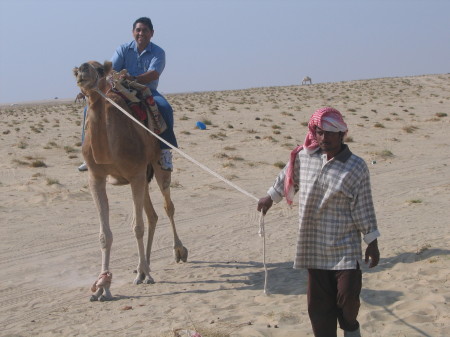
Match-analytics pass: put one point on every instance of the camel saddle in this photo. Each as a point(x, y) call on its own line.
point(139, 99)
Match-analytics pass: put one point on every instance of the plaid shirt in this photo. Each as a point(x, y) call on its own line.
point(335, 206)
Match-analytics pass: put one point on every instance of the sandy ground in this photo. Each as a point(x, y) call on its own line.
point(50, 254)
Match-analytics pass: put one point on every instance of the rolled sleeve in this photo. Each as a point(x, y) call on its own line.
point(368, 238)
point(274, 195)
point(276, 192)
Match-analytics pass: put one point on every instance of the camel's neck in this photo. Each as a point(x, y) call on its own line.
point(97, 129)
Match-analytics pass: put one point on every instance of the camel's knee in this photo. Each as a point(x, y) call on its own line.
point(105, 240)
point(138, 231)
point(169, 207)
point(150, 212)
point(164, 179)
point(152, 218)
point(165, 184)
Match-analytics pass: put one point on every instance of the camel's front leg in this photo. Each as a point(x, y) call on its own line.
point(163, 178)
point(138, 188)
point(98, 191)
point(152, 219)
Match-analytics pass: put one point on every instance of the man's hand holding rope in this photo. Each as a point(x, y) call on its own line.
point(264, 204)
point(373, 253)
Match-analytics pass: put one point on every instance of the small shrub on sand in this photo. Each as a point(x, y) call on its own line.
point(348, 139)
point(271, 139)
point(22, 144)
point(385, 154)
point(206, 121)
point(410, 128)
point(279, 164)
point(175, 184)
point(51, 181)
point(228, 164)
point(69, 149)
point(221, 155)
point(38, 163)
point(20, 162)
point(440, 114)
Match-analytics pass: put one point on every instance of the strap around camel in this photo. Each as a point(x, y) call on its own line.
point(139, 99)
point(103, 281)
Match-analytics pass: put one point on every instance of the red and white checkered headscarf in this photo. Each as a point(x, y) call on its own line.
point(328, 119)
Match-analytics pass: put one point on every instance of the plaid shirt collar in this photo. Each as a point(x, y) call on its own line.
point(342, 156)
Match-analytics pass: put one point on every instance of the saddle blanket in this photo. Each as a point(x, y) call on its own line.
point(139, 99)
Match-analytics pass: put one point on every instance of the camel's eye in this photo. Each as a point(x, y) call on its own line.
point(101, 71)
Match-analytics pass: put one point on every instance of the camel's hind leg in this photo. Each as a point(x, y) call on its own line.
point(163, 178)
point(98, 190)
point(152, 219)
point(138, 189)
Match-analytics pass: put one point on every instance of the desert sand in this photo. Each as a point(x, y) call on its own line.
point(50, 252)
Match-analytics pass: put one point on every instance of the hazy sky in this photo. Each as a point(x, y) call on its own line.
point(223, 44)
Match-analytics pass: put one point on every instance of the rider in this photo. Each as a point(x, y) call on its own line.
point(145, 62)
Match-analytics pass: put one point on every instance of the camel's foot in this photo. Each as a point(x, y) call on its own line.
point(180, 253)
point(142, 278)
point(101, 295)
point(149, 280)
point(102, 298)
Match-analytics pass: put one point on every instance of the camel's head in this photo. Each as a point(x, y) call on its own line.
point(89, 74)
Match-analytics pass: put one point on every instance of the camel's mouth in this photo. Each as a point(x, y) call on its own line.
point(80, 82)
point(84, 82)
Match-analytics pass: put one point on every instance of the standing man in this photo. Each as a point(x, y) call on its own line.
point(335, 208)
point(145, 62)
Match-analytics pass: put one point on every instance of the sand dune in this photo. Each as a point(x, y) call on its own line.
point(49, 252)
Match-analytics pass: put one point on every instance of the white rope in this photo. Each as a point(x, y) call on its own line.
point(226, 181)
point(262, 233)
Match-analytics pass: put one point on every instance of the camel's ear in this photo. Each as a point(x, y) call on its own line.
point(107, 66)
point(75, 71)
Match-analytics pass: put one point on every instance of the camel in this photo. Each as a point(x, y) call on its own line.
point(306, 80)
point(80, 98)
point(119, 151)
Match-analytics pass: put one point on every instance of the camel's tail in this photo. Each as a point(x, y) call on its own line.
point(150, 173)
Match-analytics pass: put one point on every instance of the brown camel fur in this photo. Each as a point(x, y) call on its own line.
point(121, 152)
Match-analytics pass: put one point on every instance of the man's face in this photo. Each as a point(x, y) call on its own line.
point(142, 34)
point(329, 142)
